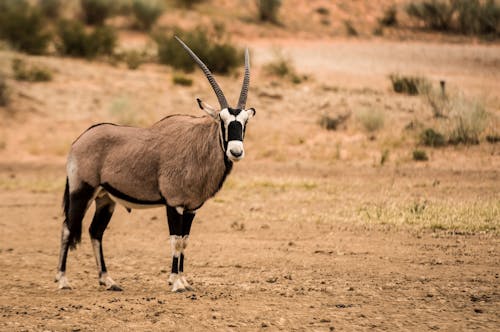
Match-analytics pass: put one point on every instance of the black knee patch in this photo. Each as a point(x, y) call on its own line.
point(175, 265)
point(181, 263)
point(100, 222)
point(78, 201)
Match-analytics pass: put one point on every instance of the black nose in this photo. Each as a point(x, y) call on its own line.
point(236, 153)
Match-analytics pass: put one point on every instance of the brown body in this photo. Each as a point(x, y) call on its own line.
point(179, 159)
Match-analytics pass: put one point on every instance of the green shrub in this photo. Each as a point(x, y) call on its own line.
point(493, 138)
point(180, 79)
point(411, 85)
point(430, 137)
point(468, 120)
point(390, 17)
point(50, 8)
point(4, 91)
point(223, 57)
point(489, 17)
point(268, 10)
point(31, 73)
point(330, 122)
point(23, 26)
point(146, 13)
point(219, 56)
point(435, 14)
point(478, 17)
point(133, 58)
point(371, 119)
point(283, 67)
point(464, 16)
point(75, 41)
point(95, 12)
point(420, 155)
point(280, 67)
point(350, 29)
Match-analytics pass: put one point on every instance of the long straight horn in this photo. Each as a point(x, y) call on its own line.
point(246, 82)
point(208, 74)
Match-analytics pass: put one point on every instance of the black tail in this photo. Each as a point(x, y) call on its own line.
point(74, 224)
point(65, 202)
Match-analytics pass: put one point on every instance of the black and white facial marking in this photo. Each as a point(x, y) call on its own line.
point(233, 124)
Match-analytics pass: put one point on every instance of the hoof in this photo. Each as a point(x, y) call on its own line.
point(63, 283)
point(114, 288)
point(110, 284)
point(186, 284)
point(178, 286)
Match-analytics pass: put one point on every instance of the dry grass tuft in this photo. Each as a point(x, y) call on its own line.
point(283, 67)
point(4, 91)
point(30, 72)
point(435, 215)
point(420, 155)
point(468, 120)
point(410, 85)
point(183, 80)
point(371, 119)
point(333, 122)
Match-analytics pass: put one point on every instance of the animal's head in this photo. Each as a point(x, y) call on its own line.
point(232, 121)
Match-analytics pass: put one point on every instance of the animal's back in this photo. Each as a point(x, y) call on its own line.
point(124, 158)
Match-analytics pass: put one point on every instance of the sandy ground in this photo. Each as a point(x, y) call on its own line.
point(258, 259)
point(309, 233)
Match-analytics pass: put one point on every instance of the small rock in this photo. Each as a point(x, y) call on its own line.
point(263, 324)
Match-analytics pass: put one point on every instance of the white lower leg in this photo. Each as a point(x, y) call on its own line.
point(104, 278)
point(174, 279)
point(60, 276)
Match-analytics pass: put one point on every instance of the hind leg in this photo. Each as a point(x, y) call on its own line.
point(76, 204)
point(104, 208)
point(63, 255)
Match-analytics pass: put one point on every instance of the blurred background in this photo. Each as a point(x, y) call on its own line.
point(370, 186)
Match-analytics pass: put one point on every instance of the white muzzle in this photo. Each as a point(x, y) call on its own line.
point(235, 151)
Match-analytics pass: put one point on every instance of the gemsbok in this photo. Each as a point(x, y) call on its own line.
point(178, 163)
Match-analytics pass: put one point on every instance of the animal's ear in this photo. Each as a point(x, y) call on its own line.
point(251, 112)
point(207, 108)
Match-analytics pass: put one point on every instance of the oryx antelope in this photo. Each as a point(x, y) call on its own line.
point(178, 163)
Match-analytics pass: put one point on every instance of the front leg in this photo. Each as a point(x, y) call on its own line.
point(187, 220)
point(179, 224)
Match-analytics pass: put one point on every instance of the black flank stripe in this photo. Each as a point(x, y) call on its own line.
point(125, 197)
